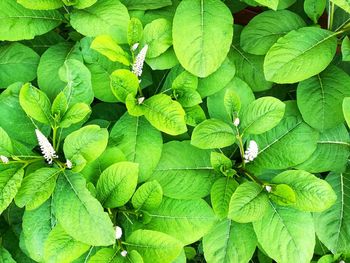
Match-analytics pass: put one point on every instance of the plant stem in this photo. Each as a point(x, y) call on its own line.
point(330, 15)
point(54, 137)
point(241, 147)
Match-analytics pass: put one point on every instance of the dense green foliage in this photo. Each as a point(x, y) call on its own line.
point(172, 131)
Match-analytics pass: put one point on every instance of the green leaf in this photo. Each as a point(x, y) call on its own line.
point(220, 162)
point(85, 145)
point(108, 17)
point(189, 219)
point(333, 225)
point(345, 49)
point(154, 247)
point(167, 60)
point(224, 243)
point(184, 89)
point(18, 63)
point(182, 168)
point(273, 4)
point(320, 98)
point(10, 181)
point(220, 195)
point(202, 34)
point(248, 203)
point(312, 194)
point(314, 9)
point(194, 115)
point(146, 4)
point(37, 187)
point(232, 103)
point(76, 113)
point(213, 133)
point(81, 215)
point(35, 103)
point(117, 184)
point(165, 114)
point(262, 115)
point(59, 105)
point(157, 35)
point(123, 83)
point(41, 4)
point(80, 4)
point(60, 247)
point(135, 31)
point(282, 194)
point(5, 143)
point(5, 256)
point(133, 105)
point(21, 23)
point(112, 255)
point(266, 28)
point(299, 55)
point(105, 45)
point(332, 152)
point(148, 196)
point(139, 141)
point(346, 110)
point(36, 226)
point(344, 4)
point(286, 235)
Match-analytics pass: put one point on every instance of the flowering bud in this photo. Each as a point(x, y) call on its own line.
point(118, 232)
point(69, 164)
point(236, 122)
point(4, 159)
point(140, 100)
point(134, 46)
point(268, 188)
point(124, 253)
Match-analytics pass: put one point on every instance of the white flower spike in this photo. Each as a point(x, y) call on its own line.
point(139, 61)
point(118, 232)
point(4, 159)
point(124, 253)
point(46, 148)
point(69, 164)
point(236, 122)
point(252, 152)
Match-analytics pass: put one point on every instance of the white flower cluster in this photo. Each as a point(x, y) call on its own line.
point(252, 152)
point(139, 61)
point(4, 159)
point(46, 148)
point(118, 232)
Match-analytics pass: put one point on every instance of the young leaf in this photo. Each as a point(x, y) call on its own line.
point(273, 4)
point(76, 113)
point(202, 34)
point(81, 215)
point(248, 203)
point(194, 115)
point(345, 49)
point(346, 110)
point(299, 55)
point(117, 184)
point(35, 103)
point(262, 115)
point(344, 4)
point(154, 246)
point(59, 105)
point(220, 162)
point(148, 196)
point(80, 4)
point(222, 244)
point(285, 234)
point(135, 31)
point(232, 103)
point(212, 134)
point(124, 82)
point(5, 143)
point(282, 194)
point(314, 9)
point(5, 256)
point(146, 4)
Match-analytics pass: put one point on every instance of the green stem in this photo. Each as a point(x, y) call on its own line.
point(330, 15)
point(253, 178)
point(241, 147)
point(54, 138)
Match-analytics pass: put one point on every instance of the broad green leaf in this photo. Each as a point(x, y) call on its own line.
point(273, 4)
point(112, 255)
point(146, 4)
point(213, 133)
point(314, 9)
point(189, 219)
point(320, 98)
point(346, 110)
point(50, 63)
point(167, 60)
point(81, 215)
point(5, 256)
point(85, 145)
point(59, 105)
point(220, 195)
point(290, 143)
point(312, 194)
point(202, 34)
point(117, 184)
point(108, 17)
point(80, 4)
point(139, 141)
point(262, 115)
point(332, 152)
point(135, 31)
point(35, 103)
point(266, 28)
point(154, 247)
point(37, 187)
point(182, 168)
point(299, 55)
point(248, 203)
point(333, 225)
point(41, 4)
point(123, 83)
point(184, 89)
point(345, 49)
point(224, 243)
point(78, 79)
point(5, 143)
point(282, 194)
point(18, 63)
point(60, 247)
point(148, 196)
point(194, 115)
point(20, 23)
point(286, 235)
point(344, 4)
point(105, 45)
point(36, 226)
point(76, 113)
point(133, 105)
point(157, 35)
point(165, 114)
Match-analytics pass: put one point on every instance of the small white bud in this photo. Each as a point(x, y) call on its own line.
point(236, 122)
point(268, 188)
point(124, 253)
point(135, 46)
point(341, 261)
point(69, 164)
point(140, 100)
point(118, 232)
point(4, 159)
